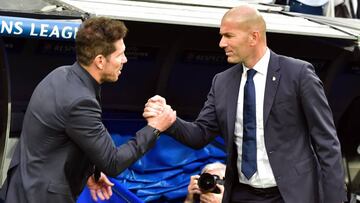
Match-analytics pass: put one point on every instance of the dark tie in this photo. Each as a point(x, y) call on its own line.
point(248, 164)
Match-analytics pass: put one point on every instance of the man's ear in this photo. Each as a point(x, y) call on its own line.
point(254, 37)
point(99, 61)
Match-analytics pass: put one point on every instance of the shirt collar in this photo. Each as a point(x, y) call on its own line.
point(262, 65)
point(87, 79)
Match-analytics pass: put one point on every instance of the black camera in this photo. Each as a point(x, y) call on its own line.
point(207, 183)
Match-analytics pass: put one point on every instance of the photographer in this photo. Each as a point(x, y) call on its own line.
point(202, 193)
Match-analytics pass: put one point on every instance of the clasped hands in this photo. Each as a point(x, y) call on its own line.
point(158, 114)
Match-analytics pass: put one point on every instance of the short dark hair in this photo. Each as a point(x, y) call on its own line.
point(96, 36)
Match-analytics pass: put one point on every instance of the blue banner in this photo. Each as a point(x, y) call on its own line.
point(38, 28)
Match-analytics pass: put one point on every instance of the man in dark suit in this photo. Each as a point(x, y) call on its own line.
point(275, 119)
point(63, 138)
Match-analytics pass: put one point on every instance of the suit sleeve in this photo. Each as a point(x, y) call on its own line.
point(85, 128)
point(323, 135)
point(203, 130)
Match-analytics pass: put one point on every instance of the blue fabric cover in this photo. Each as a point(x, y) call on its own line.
point(162, 174)
point(120, 195)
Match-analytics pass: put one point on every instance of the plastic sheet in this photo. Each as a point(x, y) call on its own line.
point(163, 173)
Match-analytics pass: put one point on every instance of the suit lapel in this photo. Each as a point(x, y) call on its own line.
point(272, 82)
point(232, 98)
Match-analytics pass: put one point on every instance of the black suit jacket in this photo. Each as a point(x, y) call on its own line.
point(63, 138)
point(300, 137)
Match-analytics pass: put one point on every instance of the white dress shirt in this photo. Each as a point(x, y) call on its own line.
point(264, 177)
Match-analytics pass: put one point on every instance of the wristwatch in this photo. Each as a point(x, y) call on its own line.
point(156, 132)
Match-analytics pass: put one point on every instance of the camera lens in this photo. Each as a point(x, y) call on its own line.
point(207, 182)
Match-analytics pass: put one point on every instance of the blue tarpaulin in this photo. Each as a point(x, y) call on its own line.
point(163, 173)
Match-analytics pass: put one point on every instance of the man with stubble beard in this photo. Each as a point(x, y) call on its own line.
point(63, 140)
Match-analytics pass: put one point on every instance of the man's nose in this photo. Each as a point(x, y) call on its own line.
point(124, 59)
point(222, 42)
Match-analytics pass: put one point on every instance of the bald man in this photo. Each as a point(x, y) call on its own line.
point(271, 110)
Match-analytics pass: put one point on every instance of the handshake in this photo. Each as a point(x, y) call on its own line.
point(158, 114)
